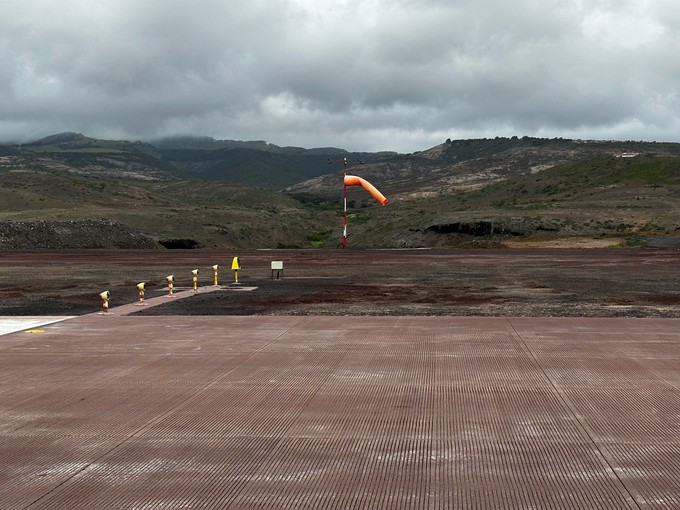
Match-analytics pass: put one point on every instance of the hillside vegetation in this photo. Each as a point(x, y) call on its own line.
point(214, 214)
point(607, 197)
point(206, 193)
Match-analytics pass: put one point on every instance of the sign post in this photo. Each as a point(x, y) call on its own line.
point(277, 265)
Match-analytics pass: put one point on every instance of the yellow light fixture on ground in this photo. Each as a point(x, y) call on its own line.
point(235, 266)
point(195, 279)
point(141, 286)
point(106, 295)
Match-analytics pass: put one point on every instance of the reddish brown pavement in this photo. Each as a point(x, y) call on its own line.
point(114, 411)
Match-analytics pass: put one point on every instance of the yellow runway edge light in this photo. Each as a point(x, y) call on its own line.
point(235, 266)
point(141, 286)
point(106, 295)
point(171, 284)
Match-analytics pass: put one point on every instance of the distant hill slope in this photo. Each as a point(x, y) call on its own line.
point(462, 165)
point(223, 194)
point(255, 163)
point(619, 198)
point(78, 154)
point(213, 214)
point(254, 167)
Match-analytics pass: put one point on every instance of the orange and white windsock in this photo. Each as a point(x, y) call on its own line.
point(353, 180)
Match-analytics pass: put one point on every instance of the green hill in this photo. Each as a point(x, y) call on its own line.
point(215, 214)
point(605, 197)
point(209, 193)
point(267, 168)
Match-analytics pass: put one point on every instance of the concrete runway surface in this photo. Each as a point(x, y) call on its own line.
point(164, 412)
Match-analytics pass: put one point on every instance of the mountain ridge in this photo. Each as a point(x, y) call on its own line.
point(487, 191)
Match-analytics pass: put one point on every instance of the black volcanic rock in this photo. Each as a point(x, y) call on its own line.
point(103, 234)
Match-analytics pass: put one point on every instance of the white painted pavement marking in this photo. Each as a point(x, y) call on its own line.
point(13, 324)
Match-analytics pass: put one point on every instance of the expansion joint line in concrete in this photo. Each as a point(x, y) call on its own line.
point(160, 417)
point(583, 426)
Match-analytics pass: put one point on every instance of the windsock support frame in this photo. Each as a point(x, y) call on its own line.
point(353, 180)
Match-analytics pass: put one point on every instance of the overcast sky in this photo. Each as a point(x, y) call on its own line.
point(372, 75)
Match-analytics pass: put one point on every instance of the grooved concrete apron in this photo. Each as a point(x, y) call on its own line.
point(115, 411)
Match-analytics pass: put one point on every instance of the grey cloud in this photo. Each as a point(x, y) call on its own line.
point(359, 74)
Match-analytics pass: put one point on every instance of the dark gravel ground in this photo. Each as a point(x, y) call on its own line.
point(542, 282)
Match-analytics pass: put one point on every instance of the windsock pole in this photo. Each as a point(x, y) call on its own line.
point(344, 205)
point(353, 181)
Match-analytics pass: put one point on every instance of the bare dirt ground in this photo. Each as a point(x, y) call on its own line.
point(611, 282)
